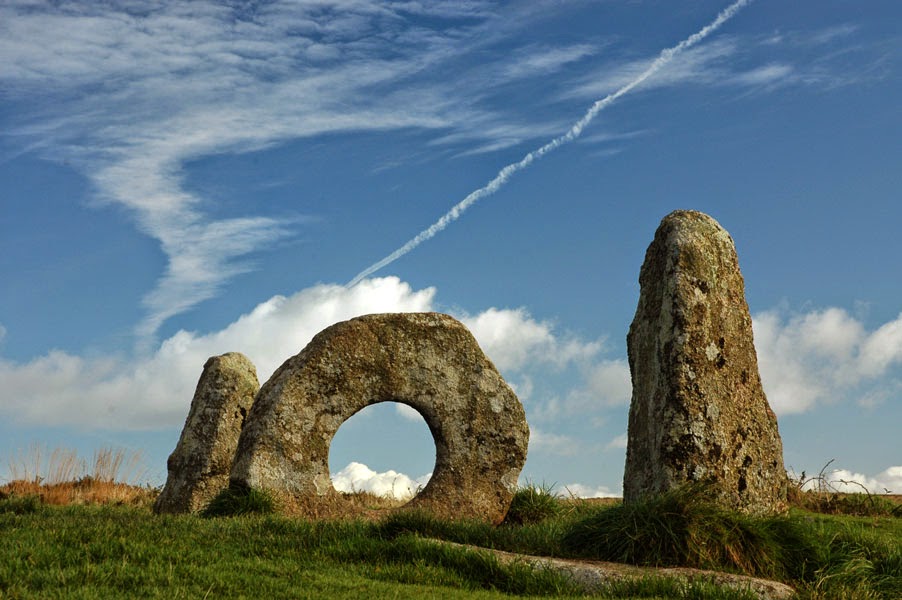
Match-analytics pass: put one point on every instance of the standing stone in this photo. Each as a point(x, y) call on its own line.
point(698, 410)
point(200, 464)
point(430, 362)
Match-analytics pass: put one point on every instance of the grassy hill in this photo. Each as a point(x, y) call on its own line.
point(119, 549)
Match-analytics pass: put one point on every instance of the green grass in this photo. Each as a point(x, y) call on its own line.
point(99, 552)
point(21, 505)
point(835, 503)
point(685, 528)
point(238, 501)
point(125, 551)
point(533, 504)
point(822, 556)
point(122, 551)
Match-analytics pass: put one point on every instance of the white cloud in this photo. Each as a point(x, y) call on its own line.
point(282, 326)
point(618, 443)
point(511, 338)
point(408, 412)
point(357, 477)
point(539, 61)
point(553, 443)
point(881, 349)
point(169, 82)
point(609, 383)
point(579, 490)
point(764, 75)
point(843, 480)
point(701, 64)
point(600, 386)
point(154, 391)
point(816, 59)
point(604, 137)
point(523, 387)
point(829, 35)
point(823, 356)
point(129, 92)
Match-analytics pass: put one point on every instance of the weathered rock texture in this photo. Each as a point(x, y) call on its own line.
point(428, 361)
point(199, 466)
point(698, 410)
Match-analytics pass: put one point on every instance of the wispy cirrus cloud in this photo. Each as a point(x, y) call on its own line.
point(755, 63)
point(532, 61)
point(128, 93)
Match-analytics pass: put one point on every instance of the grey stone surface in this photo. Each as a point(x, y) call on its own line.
point(199, 466)
point(428, 361)
point(698, 411)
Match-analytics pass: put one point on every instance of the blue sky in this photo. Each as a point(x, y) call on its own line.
point(179, 180)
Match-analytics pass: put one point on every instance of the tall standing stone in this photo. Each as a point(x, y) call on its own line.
point(698, 411)
point(200, 464)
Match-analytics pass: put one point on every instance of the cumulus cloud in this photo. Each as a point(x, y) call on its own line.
point(609, 383)
point(553, 443)
point(579, 490)
point(408, 412)
point(824, 356)
point(603, 384)
point(618, 443)
point(154, 391)
point(512, 338)
point(357, 477)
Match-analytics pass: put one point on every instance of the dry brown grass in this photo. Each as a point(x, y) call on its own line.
point(820, 494)
point(340, 506)
point(60, 477)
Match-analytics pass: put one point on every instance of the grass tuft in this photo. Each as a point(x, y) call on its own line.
point(236, 501)
point(533, 504)
point(59, 477)
point(663, 587)
point(836, 503)
point(20, 505)
point(425, 524)
point(684, 527)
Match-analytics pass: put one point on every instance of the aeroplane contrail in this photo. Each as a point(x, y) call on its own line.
point(574, 132)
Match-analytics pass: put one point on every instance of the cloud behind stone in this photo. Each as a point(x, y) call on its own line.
point(825, 356)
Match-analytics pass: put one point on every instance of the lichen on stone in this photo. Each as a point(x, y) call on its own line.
point(428, 361)
point(691, 353)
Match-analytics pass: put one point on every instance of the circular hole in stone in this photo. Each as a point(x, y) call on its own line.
point(385, 450)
